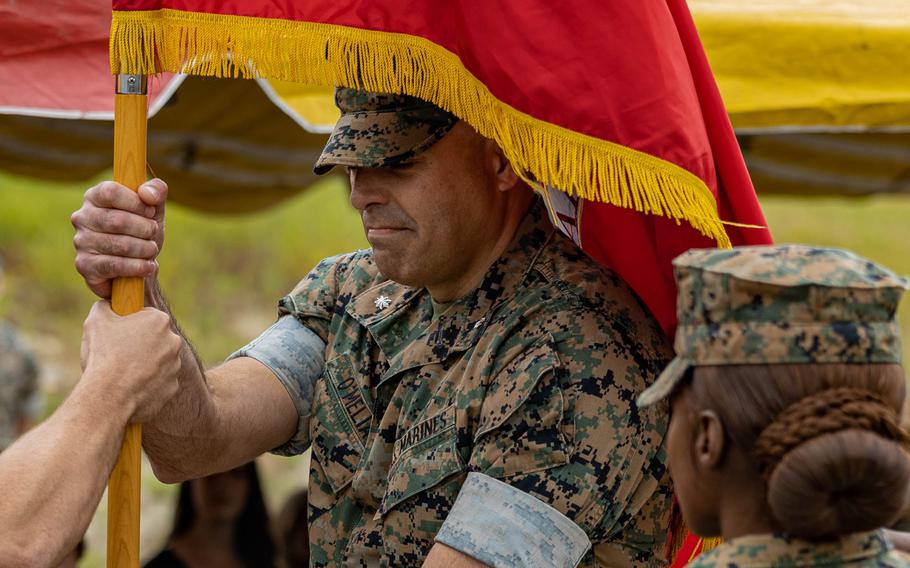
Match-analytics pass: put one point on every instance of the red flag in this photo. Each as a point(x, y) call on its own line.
point(611, 103)
point(609, 107)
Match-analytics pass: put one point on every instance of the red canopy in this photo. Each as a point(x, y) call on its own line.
point(61, 39)
point(223, 146)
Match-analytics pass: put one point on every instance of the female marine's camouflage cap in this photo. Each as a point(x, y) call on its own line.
point(380, 130)
point(780, 304)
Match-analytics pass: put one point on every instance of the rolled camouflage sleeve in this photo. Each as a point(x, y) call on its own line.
point(524, 530)
point(559, 423)
point(296, 356)
point(294, 347)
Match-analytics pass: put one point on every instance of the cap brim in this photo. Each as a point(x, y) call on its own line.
point(367, 139)
point(665, 383)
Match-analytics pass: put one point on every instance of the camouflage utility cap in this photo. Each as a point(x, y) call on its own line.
point(780, 304)
point(379, 130)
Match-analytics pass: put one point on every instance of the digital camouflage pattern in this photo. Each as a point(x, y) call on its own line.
point(860, 550)
point(530, 379)
point(381, 130)
point(781, 304)
point(18, 383)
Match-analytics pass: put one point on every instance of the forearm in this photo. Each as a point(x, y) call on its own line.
point(181, 442)
point(219, 420)
point(228, 415)
point(442, 556)
point(54, 476)
point(154, 298)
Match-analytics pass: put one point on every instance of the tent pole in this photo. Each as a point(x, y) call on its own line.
point(127, 297)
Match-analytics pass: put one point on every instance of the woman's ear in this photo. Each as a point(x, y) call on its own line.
point(710, 441)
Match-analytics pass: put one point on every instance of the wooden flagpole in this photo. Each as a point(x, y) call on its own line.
point(127, 297)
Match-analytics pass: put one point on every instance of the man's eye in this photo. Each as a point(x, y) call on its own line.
point(402, 166)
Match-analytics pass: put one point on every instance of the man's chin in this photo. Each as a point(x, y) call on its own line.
point(393, 267)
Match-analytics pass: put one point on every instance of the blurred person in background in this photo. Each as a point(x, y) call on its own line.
point(786, 395)
point(293, 533)
point(20, 399)
point(221, 520)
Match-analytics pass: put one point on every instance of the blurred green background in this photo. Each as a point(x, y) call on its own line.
point(223, 276)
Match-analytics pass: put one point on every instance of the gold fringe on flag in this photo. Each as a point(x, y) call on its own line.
point(148, 42)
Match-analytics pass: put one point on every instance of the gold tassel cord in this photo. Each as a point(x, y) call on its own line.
point(148, 42)
point(707, 544)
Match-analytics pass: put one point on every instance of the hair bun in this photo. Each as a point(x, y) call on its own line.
point(838, 483)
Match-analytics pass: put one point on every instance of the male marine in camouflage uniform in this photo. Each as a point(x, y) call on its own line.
point(498, 422)
point(783, 305)
point(18, 382)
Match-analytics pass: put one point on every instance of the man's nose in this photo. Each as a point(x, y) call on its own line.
point(365, 189)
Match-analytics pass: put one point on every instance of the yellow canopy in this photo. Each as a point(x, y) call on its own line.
point(802, 65)
point(817, 90)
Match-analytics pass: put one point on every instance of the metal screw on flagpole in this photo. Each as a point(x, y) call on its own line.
point(131, 85)
point(127, 297)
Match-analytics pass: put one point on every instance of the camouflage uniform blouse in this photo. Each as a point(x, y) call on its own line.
point(530, 379)
point(860, 550)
